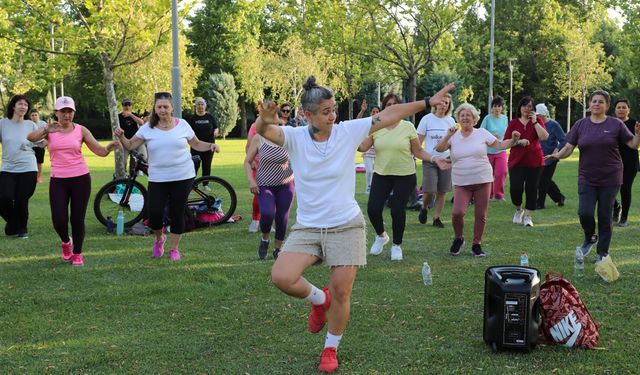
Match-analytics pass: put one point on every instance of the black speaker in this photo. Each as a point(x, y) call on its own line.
point(511, 310)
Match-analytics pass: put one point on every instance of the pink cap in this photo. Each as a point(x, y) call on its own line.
point(64, 102)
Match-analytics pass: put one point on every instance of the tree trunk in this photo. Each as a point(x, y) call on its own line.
point(243, 116)
point(107, 73)
point(350, 108)
point(412, 92)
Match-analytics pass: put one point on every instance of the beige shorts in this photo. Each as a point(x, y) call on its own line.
point(344, 245)
point(434, 179)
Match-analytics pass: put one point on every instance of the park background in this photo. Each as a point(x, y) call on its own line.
point(216, 311)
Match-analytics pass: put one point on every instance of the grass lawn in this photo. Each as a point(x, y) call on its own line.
point(217, 312)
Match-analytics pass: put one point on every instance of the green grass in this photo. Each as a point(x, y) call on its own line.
point(217, 312)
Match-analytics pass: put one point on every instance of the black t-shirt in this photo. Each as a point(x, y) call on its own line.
point(204, 127)
point(128, 124)
point(629, 155)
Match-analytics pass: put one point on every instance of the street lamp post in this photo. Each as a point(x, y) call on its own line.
point(175, 69)
point(493, 23)
point(511, 60)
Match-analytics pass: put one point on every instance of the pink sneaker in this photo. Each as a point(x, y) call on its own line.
point(77, 260)
point(328, 360)
point(318, 317)
point(174, 255)
point(67, 251)
point(158, 247)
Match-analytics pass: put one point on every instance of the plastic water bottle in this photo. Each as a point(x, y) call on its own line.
point(579, 263)
point(110, 225)
point(524, 259)
point(426, 274)
point(120, 223)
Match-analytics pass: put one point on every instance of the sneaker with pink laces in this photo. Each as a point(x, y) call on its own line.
point(67, 251)
point(174, 254)
point(158, 247)
point(77, 260)
point(318, 317)
point(328, 360)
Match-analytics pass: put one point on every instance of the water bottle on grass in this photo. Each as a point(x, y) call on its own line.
point(524, 259)
point(427, 278)
point(579, 263)
point(120, 223)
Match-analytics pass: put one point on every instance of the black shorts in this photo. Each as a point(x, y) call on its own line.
point(39, 151)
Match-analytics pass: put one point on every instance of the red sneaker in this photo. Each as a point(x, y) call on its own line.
point(67, 251)
point(318, 316)
point(328, 360)
point(77, 260)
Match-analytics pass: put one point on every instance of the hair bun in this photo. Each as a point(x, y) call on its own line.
point(310, 83)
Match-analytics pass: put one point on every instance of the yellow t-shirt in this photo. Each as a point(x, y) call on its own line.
point(393, 150)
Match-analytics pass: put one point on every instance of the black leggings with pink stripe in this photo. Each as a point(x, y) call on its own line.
point(74, 192)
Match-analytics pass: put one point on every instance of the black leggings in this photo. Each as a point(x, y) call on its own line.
point(524, 179)
point(205, 158)
point(74, 191)
point(628, 176)
point(171, 193)
point(381, 187)
point(15, 191)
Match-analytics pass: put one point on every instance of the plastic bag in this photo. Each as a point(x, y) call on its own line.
point(607, 269)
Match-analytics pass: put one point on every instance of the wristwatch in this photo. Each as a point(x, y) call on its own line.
point(426, 101)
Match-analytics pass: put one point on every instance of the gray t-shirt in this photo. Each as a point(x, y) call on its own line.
point(17, 151)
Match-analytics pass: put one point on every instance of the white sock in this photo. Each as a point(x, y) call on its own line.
point(316, 296)
point(332, 341)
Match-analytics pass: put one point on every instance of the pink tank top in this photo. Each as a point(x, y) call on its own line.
point(65, 153)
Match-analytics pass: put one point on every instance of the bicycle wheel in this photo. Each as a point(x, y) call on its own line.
point(122, 194)
point(215, 196)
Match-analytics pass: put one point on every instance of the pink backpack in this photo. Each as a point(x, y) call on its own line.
point(565, 318)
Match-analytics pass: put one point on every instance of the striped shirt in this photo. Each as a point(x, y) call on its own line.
point(274, 168)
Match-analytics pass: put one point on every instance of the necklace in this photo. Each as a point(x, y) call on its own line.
point(323, 151)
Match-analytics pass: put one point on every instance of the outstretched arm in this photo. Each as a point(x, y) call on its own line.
point(565, 152)
point(507, 143)
point(96, 147)
point(128, 144)
point(392, 115)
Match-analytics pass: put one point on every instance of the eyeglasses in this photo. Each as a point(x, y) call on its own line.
point(285, 110)
point(162, 95)
point(126, 105)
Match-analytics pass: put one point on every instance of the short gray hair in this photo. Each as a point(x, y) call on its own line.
point(314, 94)
point(470, 108)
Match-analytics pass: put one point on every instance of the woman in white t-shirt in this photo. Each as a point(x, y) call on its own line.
point(171, 170)
point(471, 174)
point(330, 227)
point(435, 181)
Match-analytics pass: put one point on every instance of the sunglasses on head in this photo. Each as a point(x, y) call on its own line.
point(162, 95)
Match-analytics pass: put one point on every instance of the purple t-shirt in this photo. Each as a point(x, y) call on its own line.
point(600, 162)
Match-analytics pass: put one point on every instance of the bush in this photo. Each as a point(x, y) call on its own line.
point(221, 93)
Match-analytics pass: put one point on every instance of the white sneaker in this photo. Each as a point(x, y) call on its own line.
point(527, 221)
point(378, 244)
point(517, 217)
point(396, 252)
point(253, 227)
point(207, 188)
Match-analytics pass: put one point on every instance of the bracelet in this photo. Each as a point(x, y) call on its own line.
point(432, 156)
point(426, 101)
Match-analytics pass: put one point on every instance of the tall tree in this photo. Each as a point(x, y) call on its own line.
point(115, 33)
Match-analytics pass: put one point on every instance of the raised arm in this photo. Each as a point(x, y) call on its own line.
point(443, 145)
point(128, 144)
point(267, 124)
point(393, 114)
point(543, 135)
point(507, 143)
point(363, 108)
point(96, 147)
point(635, 142)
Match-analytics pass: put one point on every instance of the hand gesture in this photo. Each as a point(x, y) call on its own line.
point(253, 187)
point(269, 113)
point(118, 132)
point(515, 136)
point(215, 148)
point(363, 105)
point(532, 117)
point(438, 98)
point(552, 156)
point(452, 130)
point(443, 164)
point(113, 145)
point(524, 142)
point(53, 126)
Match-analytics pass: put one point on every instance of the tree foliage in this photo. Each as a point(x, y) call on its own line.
point(221, 93)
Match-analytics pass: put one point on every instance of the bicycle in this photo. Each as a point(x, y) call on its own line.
point(209, 194)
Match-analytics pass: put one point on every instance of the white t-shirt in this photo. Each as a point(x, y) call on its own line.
point(434, 128)
point(169, 156)
point(325, 176)
point(469, 162)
